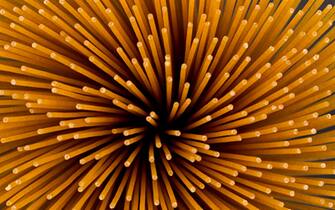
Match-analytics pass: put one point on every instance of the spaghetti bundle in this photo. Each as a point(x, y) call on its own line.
point(133, 104)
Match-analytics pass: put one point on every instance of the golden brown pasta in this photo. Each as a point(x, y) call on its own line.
point(162, 104)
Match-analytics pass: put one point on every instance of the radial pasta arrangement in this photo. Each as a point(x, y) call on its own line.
point(162, 104)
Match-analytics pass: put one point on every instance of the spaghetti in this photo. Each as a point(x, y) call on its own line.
point(131, 104)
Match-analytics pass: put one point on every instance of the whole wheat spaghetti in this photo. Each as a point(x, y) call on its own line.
point(200, 104)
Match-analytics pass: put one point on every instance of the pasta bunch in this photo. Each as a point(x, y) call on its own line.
point(133, 104)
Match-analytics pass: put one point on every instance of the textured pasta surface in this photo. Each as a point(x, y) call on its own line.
point(163, 104)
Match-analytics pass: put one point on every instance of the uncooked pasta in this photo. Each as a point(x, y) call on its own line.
point(162, 104)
